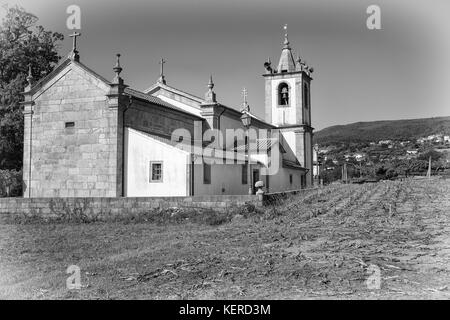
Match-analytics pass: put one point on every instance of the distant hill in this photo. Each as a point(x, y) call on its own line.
point(383, 130)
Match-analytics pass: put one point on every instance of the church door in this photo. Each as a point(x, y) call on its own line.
point(255, 179)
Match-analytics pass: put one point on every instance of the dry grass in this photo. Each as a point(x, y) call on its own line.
point(313, 245)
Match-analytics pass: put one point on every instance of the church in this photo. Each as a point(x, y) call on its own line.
point(87, 136)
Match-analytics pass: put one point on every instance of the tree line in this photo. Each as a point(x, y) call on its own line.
point(23, 45)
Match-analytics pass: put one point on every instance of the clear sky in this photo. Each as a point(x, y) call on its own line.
point(399, 72)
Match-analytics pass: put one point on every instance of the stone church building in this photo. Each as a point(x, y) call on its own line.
point(87, 136)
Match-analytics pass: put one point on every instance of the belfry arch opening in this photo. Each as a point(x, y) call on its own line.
point(283, 94)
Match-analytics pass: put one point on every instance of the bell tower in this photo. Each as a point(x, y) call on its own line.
point(288, 104)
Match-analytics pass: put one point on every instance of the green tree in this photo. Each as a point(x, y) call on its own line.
point(23, 43)
point(329, 163)
point(435, 155)
point(332, 175)
point(407, 166)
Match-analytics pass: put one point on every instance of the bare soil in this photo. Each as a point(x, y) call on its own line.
point(322, 244)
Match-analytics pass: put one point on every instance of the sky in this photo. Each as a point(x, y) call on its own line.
point(399, 72)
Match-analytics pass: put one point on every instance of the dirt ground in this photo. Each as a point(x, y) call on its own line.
point(325, 244)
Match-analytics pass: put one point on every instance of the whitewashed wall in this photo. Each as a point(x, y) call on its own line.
point(280, 181)
point(140, 149)
point(225, 179)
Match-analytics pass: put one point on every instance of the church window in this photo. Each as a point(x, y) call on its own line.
point(290, 178)
point(244, 174)
point(156, 171)
point(206, 173)
point(283, 94)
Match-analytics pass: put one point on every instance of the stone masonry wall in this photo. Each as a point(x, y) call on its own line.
point(78, 161)
point(67, 209)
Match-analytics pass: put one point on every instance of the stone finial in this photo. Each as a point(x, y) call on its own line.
point(30, 78)
point(268, 66)
point(307, 68)
point(298, 61)
point(117, 70)
point(74, 53)
point(210, 96)
point(210, 83)
point(116, 96)
point(303, 65)
point(161, 73)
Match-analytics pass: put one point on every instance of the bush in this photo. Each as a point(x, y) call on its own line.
point(391, 173)
point(10, 183)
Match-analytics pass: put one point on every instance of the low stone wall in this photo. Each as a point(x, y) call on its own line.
point(276, 197)
point(68, 209)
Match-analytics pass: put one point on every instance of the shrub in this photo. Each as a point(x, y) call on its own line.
point(10, 183)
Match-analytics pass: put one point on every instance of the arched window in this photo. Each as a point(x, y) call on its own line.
point(283, 94)
point(305, 95)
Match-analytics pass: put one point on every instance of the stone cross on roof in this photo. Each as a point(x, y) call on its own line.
point(74, 54)
point(161, 75)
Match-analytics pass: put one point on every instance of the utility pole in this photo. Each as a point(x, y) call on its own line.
point(429, 168)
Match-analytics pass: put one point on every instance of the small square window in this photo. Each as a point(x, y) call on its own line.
point(70, 124)
point(156, 171)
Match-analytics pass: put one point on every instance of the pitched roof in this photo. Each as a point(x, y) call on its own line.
point(60, 66)
point(157, 101)
point(132, 92)
point(45, 79)
point(174, 90)
point(293, 165)
point(253, 116)
point(287, 62)
point(199, 101)
point(261, 145)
